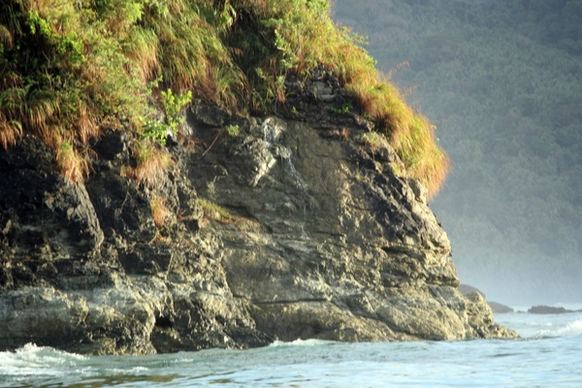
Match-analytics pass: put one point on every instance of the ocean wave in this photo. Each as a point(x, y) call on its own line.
point(35, 360)
point(573, 328)
point(301, 342)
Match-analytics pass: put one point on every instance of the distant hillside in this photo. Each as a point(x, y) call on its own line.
point(502, 80)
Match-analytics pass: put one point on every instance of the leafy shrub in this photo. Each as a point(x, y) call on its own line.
point(232, 130)
point(172, 105)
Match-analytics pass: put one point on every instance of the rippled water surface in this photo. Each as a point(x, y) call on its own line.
point(549, 354)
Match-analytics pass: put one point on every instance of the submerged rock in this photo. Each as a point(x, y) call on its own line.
point(283, 232)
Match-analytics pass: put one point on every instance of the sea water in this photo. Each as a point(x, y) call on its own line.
point(548, 354)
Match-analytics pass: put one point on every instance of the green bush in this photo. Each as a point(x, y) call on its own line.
point(172, 106)
point(232, 130)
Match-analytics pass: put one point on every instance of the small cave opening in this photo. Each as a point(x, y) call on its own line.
point(164, 322)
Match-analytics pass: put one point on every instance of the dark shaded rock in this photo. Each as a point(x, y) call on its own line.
point(111, 145)
point(499, 308)
point(208, 114)
point(42, 217)
point(284, 232)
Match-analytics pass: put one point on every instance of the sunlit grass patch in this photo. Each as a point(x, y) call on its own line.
point(151, 164)
point(73, 166)
point(160, 212)
point(73, 68)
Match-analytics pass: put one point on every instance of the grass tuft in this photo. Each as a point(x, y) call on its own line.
point(151, 164)
point(72, 68)
point(72, 165)
point(10, 131)
point(374, 140)
point(160, 212)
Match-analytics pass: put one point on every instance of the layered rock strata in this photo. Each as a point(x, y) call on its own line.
point(288, 230)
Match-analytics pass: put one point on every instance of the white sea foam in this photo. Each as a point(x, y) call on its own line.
point(573, 328)
point(128, 371)
point(552, 361)
point(37, 360)
point(301, 342)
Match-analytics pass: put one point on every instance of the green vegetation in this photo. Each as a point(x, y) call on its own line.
point(374, 140)
point(214, 211)
point(503, 82)
point(151, 164)
point(72, 68)
point(172, 105)
point(232, 130)
point(345, 108)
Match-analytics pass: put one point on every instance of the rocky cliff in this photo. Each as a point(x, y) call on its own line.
point(288, 227)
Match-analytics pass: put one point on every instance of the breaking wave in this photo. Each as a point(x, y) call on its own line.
point(37, 360)
point(573, 328)
point(301, 342)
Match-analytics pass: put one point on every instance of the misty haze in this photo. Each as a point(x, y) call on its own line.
point(502, 81)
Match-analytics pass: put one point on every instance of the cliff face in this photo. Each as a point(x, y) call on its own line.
point(287, 229)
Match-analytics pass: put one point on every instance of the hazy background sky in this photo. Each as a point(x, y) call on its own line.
point(502, 80)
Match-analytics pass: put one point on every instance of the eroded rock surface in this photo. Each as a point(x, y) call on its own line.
point(497, 308)
point(285, 231)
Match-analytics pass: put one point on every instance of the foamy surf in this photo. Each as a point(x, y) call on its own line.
point(573, 328)
point(552, 362)
point(301, 342)
point(36, 360)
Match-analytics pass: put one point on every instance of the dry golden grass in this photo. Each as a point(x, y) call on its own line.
point(10, 131)
point(73, 166)
point(37, 114)
point(160, 212)
point(109, 57)
point(143, 50)
point(6, 38)
point(151, 166)
point(87, 127)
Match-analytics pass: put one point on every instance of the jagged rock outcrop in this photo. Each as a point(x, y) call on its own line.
point(288, 230)
point(497, 308)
